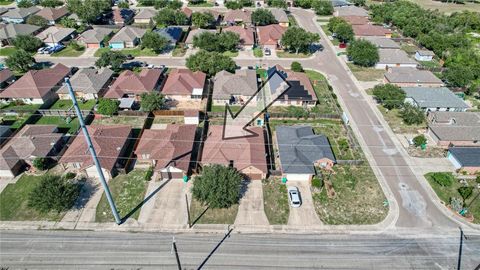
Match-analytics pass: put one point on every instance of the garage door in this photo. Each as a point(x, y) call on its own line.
point(93, 45)
point(171, 175)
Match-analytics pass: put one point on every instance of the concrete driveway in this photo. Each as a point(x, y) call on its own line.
point(250, 209)
point(304, 215)
point(167, 206)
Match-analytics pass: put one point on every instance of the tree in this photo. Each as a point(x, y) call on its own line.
point(296, 66)
point(304, 3)
point(88, 10)
point(323, 7)
point(152, 101)
point(225, 41)
point(419, 140)
point(465, 192)
point(277, 3)
point(37, 20)
point(297, 39)
point(359, 3)
point(25, 4)
point(238, 4)
point(218, 186)
point(53, 193)
point(28, 43)
point(210, 62)
point(363, 53)
point(40, 163)
point(458, 75)
point(391, 96)
point(344, 32)
point(20, 61)
point(154, 41)
point(228, 41)
point(108, 106)
point(114, 59)
point(123, 4)
point(203, 19)
point(51, 3)
point(333, 22)
point(262, 16)
point(168, 16)
point(412, 114)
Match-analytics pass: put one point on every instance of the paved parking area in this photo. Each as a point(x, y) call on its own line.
point(250, 210)
point(304, 215)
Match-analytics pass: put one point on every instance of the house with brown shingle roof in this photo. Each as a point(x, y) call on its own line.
point(235, 88)
point(30, 142)
point(269, 36)
point(281, 16)
point(6, 78)
point(246, 154)
point(356, 20)
point(131, 84)
point(37, 86)
point(53, 15)
point(145, 16)
point(88, 83)
point(370, 30)
point(168, 150)
point(301, 91)
point(122, 16)
point(238, 16)
point(247, 35)
point(184, 84)
point(110, 143)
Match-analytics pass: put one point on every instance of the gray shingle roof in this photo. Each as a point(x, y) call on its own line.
point(226, 84)
point(95, 35)
point(146, 13)
point(467, 156)
point(20, 13)
point(425, 53)
point(411, 75)
point(432, 97)
point(12, 30)
point(128, 34)
point(89, 80)
point(300, 148)
point(383, 43)
point(350, 11)
point(55, 34)
point(279, 14)
point(455, 126)
point(394, 56)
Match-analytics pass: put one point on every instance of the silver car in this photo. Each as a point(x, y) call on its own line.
point(294, 197)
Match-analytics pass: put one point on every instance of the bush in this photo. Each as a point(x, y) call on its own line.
point(69, 175)
point(419, 140)
point(317, 183)
point(40, 163)
point(296, 66)
point(477, 179)
point(391, 96)
point(257, 52)
point(363, 53)
point(107, 106)
point(343, 144)
point(443, 179)
point(412, 115)
point(149, 174)
point(465, 192)
point(28, 43)
point(53, 193)
point(323, 7)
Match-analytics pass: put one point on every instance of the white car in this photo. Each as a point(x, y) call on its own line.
point(294, 197)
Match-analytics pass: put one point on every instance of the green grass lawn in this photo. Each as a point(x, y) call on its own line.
point(292, 21)
point(69, 52)
point(396, 122)
point(14, 201)
point(201, 4)
point(5, 2)
point(99, 51)
point(366, 74)
point(179, 52)
point(7, 51)
point(430, 64)
point(275, 201)
point(212, 215)
point(135, 122)
point(139, 52)
point(230, 54)
point(128, 191)
point(257, 52)
point(17, 120)
point(21, 108)
point(65, 104)
point(61, 122)
point(284, 54)
point(445, 193)
point(327, 101)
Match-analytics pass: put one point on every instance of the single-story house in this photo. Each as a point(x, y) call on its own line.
point(6, 78)
point(300, 92)
point(184, 84)
point(300, 151)
point(172, 33)
point(5, 133)
point(235, 88)
point(246, 154)
point(167, 150)
point(370, 30)
point(53, 15)
point(269, 36)
point(145, 16)
point(465, 159)
point(88, 83)
point(424, 55)
point(127, 37)
point(237, 16)
point(344, 11)
point(94, 38)
point(411, 77)
point(431, 99)
point(383, 43)
point(19, 15)
point(394, 58)
point(31, 142)
point(37, 86)
point(280, 16)
point(53, 35)
point(356, 20)
point(454, 128)
point(133, 85)
point(110, 144)
point(122, 16)
point(10, 31)
point(195, 32)
point(247, 35)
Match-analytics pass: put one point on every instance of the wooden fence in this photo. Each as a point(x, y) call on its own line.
point(62, 113)
point(285, 116)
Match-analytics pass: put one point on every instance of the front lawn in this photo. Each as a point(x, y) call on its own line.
point(327, 32)
point(230, 54)
point(201, 4)
point(128, 191)
point(446, 193)
point(198, 215)
point(366, 74)
point(136, 52)
point(257, 52)
point(396, 123)
point(275, 201)
point(14, 201)
point(65, 104)
point(179, 52)
point(220, 108)
point(100, 51)
point(285, 54)
point(71, 126)
point(7, 51)
point(5, 2)
point(69, 51)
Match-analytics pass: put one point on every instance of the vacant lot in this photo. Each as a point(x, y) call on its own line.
point(327, 100)
point(275, 201)
point(396, 122)
point(134, 121)
point(447, 7)
point(366, 74)
point(128, 191)
point(199, 214)
point(14, 201)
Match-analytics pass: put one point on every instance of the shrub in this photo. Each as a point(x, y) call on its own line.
point(107, 106)
point(317, 183)
point(53, 193)
point(363, 53)
point(419, 140)
point(443, 179)
point(149, 174)
point(296, 66)
point(40, 163)
point(69, 175)
point(257, 52)
point(343, 144)
point(477, 179)
point(465, 192)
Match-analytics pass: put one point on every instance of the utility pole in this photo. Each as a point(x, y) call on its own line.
point(462, 236)
point(93, 153)
point(188, 212)
point(174, 248)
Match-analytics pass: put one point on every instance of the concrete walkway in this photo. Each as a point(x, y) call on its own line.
point(250, 210)
point(304, 215)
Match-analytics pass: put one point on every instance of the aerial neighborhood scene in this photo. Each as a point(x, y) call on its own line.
point(225, 134)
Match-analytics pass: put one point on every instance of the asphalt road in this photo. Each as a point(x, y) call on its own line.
point(106, 250)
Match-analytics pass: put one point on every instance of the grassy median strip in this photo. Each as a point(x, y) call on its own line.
point(275, 201)
point(201, 214)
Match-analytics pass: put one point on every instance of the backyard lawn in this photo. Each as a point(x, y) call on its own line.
point(212, 215)
point(5, 2)
point(14, 201)
point(7, 51)
point(69, 51)
point(134, 121)
point(366, 74)
point(205, 3)
point(128, 191)
point(62, 123)
point(20, 108)
point(65, 104)
point(275, 201)
point(16, 121)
